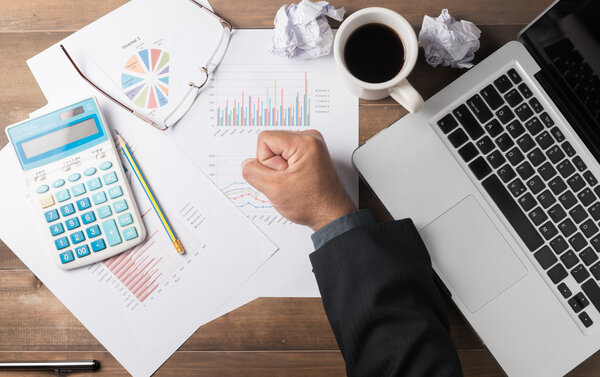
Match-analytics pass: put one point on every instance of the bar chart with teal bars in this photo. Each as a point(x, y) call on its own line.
point(258, 96)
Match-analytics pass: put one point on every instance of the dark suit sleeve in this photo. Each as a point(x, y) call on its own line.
point(385, 310)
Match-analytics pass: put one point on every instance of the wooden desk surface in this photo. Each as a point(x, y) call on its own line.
point(270, 336)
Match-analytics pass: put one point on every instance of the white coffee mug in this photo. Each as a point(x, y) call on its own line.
point(398, 87)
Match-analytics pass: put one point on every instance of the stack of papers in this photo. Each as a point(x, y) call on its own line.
point(230, 230)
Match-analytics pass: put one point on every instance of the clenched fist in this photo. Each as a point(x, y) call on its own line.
point(294, 170)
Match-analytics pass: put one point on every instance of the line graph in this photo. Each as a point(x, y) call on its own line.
point(245, 196)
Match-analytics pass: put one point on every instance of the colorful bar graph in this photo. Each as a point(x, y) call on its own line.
point(290, 109)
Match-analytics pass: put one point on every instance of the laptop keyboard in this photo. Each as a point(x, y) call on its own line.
point(537, 180)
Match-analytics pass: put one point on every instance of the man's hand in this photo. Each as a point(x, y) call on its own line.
point(294, 170)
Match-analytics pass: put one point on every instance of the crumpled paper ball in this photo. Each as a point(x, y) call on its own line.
point(449, 42)
point(302, 30)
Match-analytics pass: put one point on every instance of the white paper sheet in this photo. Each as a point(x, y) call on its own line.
point(218, 138)
point(142, 329)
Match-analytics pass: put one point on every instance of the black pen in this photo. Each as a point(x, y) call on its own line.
point(56, 366)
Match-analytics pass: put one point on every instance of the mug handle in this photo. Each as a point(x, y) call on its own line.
point(407, 96)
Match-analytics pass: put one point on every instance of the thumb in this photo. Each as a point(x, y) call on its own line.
point(258, 175)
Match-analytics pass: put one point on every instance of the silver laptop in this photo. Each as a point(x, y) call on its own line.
point(500, 173)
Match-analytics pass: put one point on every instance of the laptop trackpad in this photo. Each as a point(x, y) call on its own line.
point(471, 254)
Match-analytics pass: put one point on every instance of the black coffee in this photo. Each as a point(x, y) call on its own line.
point(374, 53)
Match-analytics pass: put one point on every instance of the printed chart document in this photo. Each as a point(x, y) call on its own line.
point(144, 303)
point(252, 91)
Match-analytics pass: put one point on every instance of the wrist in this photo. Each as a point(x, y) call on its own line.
point(333, 213)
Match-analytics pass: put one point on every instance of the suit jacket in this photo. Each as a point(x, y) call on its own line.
point(379, 295)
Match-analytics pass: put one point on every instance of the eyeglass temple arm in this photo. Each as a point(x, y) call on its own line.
point(106, 94)
point(224, 23)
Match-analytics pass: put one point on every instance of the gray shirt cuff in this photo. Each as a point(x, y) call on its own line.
point(341, 225)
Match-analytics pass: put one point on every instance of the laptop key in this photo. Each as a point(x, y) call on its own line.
point(594, 211)
point(559, 245)
point(578, 242)
point(480, 168)
point(588, 228)
point(504, 142)
point(544, 140)
point(496, 159)
point(558, 135)
point(538, 216)
point(547, 171)
point(479, 108)
point(595, 270)
point(526, 143)
point(515, 129)
point(588, 256)
point(557, 213)
point(525, 170)
point(524, 89)
point(536, 105)
point(468, 152)
point(447, 123)
point(502, 83)
point(579, 273)
point(589, 177)
point(546, 119)
point(527, 202)
point(468, 121)
point(564, 290)
point(592, 291)
point(485, 145)
point(536, 185)
point(576, 183)
point(546, 198)
point(458, 138)
point(579, 164)
point(568, 148)
point(491, 96)
point(515, 156)
point(557, 273)
point(586, 197)
point(595, 242)
point(534, 126)
point(505, 114)
point(567, 227)
point(524, 112)
point(569, 259)
point(585, 319)
point(565, 168)
point(514, 76)
point(536, 156)
point(548, 230)
point(512, 212)
point(506, 173)
point(493, 128)
point(513, 98)
point(516, 187)
point(567, 199)
point(578, 302)
point(578, 214)
point(545, 257)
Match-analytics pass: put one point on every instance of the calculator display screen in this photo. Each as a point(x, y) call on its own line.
point(59, 138)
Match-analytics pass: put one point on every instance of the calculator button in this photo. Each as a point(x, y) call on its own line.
point(98, 245)
point(51, 215)
point(46, 201)
point(74, 177)
point(88, 217)
point(83, 203)
point(82, 251)
point(104, 212)
point(78, 189)
point(89, 171)
point(77, 237)
point(63, 195)
point(72, 223)
point(125, 219)
point(130, 233)
point(112, 234)
point(42, 189)
point(66, 257)
point(61, 243)
point(99, 198)
point(93, 231)
point(120, 206)
point(105, 165)
point(57, 229)
point(110, 178)
point(94, 184)
point(67, 209)
point(115, 192)
point(58, 183)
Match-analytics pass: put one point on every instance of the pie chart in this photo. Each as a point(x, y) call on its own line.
point(145, 78)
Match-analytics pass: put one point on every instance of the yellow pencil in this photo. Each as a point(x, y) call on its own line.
point(138, 173)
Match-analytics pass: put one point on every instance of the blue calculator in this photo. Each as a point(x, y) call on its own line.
point(79, 190)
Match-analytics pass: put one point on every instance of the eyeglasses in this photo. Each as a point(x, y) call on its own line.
point(194, 87)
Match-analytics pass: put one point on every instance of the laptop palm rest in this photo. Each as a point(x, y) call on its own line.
point(471, 254)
